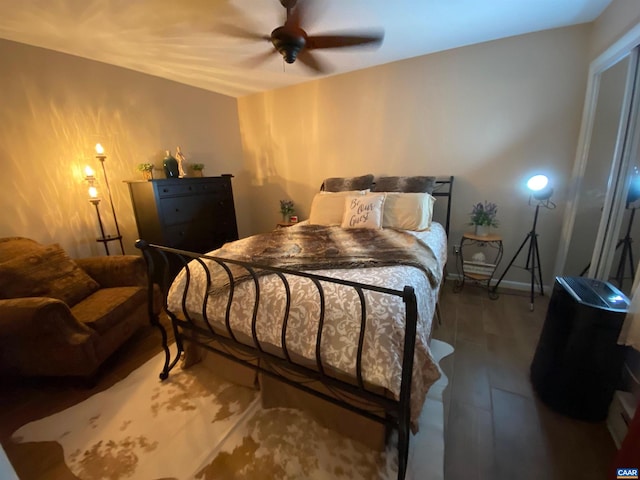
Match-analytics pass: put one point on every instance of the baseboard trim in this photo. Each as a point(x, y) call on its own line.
point(507, 284)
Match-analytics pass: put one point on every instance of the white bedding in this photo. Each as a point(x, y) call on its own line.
point(384, 337)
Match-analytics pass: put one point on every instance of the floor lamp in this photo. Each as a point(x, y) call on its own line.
point(540, 193)
point(93, 199)
point(102, 157)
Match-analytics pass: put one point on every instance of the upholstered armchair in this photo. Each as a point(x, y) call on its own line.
point(64, 317)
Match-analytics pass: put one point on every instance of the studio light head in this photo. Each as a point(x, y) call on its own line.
point(539, 187)
point(634, 188)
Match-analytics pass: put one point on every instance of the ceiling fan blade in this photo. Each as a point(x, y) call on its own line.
point(257, 60)
point(239, 32)
point(312, 62)
point(372, 39)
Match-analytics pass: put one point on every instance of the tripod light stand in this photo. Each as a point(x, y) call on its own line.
point(625, 243)
point(538, 185)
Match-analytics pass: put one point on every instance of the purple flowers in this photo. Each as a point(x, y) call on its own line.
point(484, 214)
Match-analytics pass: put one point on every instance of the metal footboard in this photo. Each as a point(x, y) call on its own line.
point(353, 394)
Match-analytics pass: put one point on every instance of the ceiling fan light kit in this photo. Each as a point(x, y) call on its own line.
point(288, 42)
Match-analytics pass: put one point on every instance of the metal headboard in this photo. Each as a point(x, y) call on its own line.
point(444, 188)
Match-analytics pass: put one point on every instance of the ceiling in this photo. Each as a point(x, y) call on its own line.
point(182, 39)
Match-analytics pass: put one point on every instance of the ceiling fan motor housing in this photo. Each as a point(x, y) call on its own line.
point(288, 42)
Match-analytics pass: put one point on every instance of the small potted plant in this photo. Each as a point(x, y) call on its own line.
point(197, 169)
point(147, 170)
point(286, 209)
point(483, 217)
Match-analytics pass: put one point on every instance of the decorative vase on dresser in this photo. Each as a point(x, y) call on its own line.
point(170, 166)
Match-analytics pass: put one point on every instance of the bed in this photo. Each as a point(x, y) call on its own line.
point(341, 312)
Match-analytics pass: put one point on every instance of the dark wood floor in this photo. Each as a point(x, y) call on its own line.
point(495, 427)
point(28, 400)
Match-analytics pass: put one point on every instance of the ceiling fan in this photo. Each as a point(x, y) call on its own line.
point(293, 42)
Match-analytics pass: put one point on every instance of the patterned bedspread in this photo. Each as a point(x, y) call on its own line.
point(384, 334)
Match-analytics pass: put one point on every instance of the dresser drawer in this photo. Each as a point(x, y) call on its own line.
point(182, 187)
point(195, 237)
point(197, 208)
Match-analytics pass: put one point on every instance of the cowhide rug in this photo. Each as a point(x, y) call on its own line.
point(197, 426)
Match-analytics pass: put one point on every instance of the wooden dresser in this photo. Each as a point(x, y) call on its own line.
point(195, 214)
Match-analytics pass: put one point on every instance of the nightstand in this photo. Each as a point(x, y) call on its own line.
point(477, 260)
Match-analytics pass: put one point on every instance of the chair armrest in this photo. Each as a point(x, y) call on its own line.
point(40, 336)
point(40, 317)
point(116, 271)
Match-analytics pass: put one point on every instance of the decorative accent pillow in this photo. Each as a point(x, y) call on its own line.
point(363, 211)
point(405, 184)
point(343, 184)
point(408, 211)
point(45, 273)
point(327, 208)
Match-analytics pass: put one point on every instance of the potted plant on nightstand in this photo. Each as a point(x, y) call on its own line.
point(286, 209)
point(197, 169)
point(483, 217)
point(147, 170)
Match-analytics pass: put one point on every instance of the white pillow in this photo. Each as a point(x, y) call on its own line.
point(327, 208)
point(408, 211)
point(363, 211)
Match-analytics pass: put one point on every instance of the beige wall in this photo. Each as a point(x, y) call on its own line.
point(618, 18)
point(54, 108)
point(490, 114)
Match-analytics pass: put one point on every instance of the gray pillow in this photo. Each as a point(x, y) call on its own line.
point(405, 184)
point(343, 184)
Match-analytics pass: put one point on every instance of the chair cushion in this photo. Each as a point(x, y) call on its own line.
point(46, 272)
point(108, 306)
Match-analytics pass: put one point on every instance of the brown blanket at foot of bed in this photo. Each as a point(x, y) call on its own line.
point(315, 247)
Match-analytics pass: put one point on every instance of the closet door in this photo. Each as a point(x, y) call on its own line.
point(600, 216)
point(598, 175)
point(619, 253)
point(617, 258)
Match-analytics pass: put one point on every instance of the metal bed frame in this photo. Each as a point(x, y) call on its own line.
point(353, 394)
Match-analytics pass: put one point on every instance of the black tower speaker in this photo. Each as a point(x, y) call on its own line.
point(578, 363)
